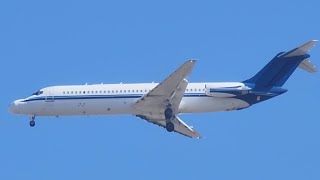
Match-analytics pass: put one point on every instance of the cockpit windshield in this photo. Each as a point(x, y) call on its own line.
point(37, 93)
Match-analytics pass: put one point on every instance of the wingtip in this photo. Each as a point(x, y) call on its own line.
point(314, 42)
point(193, 60)
point(199, 136)
point(309, 44)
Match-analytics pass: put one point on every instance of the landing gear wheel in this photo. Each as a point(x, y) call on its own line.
point(32, 123)
point(169, 126)
point(168, 113)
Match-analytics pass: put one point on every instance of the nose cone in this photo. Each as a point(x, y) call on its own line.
point(15, 106)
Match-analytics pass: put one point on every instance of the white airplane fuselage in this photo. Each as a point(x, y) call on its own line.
point(107, 99)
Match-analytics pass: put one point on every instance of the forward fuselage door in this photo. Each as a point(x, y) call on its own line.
point(50, 95)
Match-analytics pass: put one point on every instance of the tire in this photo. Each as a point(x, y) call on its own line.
point(168, 113)
point(170, 126)
point(32, 123)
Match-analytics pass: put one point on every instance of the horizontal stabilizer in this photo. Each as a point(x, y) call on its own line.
point(308, 66)
point(302, 50)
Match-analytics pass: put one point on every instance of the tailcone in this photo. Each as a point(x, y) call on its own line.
point(257, 94)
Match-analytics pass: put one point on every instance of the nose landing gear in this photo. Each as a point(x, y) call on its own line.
point(32, 122)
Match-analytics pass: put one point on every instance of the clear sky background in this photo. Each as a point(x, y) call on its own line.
point(44, 43)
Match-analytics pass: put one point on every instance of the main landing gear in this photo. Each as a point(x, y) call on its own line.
point(170, 126)
point(32, 122)
point(168, 114)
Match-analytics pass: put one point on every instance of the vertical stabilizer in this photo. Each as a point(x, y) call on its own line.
point(280, 68)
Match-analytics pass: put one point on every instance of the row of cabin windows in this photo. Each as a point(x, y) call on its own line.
point(194, 90)
point(116, 91)
point(104, 92)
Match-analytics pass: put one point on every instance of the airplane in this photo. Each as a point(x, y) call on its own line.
point(161, 103)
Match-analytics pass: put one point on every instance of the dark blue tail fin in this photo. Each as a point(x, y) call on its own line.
point(280, 68)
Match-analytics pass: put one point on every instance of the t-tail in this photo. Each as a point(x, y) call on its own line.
point(280, 68)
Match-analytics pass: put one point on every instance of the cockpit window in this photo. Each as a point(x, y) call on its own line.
point(37, 93)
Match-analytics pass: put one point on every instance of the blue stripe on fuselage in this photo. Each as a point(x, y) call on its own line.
point(118, 96)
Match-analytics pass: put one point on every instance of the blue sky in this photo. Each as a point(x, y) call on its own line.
point(46, 43)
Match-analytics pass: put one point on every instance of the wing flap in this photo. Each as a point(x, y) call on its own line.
point(178, 95)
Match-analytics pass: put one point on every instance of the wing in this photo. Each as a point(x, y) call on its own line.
point(179, 126)
point(168, 92)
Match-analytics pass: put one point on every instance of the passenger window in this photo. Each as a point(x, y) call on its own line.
point(75, 92)
point(116, 91)
point(64, 92)
point(108, 91)
point(128, 91)
point(104, 92)
point(84, 92)
point(124, 91)
point(112, 91)
point(71, 92)
point(120, 91)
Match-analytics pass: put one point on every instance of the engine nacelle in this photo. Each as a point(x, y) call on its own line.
point(226, 92)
